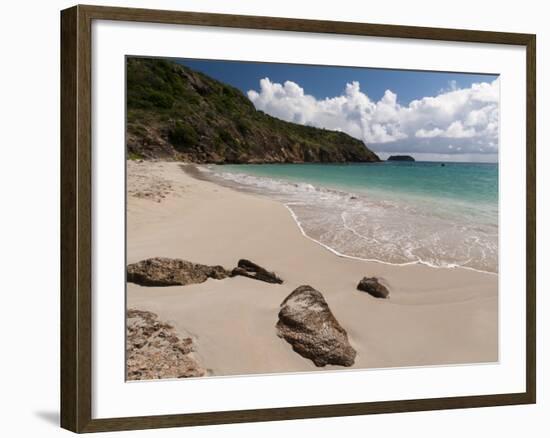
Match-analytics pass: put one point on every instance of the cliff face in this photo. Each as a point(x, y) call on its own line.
point(176, 113)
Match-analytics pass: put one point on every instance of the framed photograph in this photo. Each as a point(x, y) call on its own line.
point(268, 218)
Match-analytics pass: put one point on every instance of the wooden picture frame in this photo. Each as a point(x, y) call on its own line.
point(76, 217)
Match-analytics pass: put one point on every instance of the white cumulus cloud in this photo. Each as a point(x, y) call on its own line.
point(467, 116)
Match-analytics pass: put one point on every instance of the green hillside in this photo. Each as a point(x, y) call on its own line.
point(174, 112)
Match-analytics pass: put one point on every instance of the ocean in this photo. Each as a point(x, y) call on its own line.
point(438, 214)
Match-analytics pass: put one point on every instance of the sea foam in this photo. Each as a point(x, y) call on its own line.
point(367, 225)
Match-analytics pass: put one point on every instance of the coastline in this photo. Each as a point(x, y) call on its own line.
point(435, 316)
point(336, 209)
point(339, 254)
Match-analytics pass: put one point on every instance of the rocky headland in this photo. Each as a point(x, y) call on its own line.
point(176, 113)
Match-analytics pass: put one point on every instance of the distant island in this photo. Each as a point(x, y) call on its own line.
point(176, 113)
point(400, 158)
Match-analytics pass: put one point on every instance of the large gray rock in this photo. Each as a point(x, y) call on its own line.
point(250, 269)
point(306, 322)
point(162, 271)
point(373, 287)
point(154, 350)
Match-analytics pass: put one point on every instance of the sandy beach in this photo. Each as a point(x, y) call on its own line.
point(434, 316)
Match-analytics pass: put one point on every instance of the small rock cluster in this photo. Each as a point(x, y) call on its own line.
point(163, 271)
point(305, 319)
point(155, 351)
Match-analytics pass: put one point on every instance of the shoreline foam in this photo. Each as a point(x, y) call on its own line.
point(419, 262)
point(233, 181)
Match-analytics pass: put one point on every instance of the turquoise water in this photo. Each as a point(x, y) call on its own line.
point(475, 182)
point(394, 212)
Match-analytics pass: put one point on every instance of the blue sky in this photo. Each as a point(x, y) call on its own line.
point(323, 81)
point(454, 116)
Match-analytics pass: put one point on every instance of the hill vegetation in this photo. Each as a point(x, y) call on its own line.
point(174, 112)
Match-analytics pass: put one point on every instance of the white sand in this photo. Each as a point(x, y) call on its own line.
point(433, 316)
